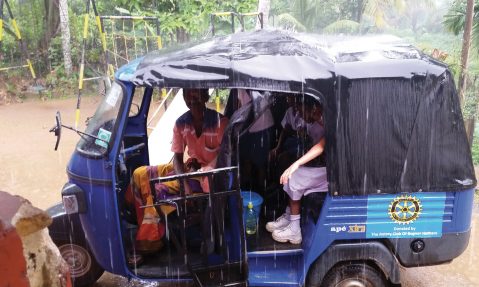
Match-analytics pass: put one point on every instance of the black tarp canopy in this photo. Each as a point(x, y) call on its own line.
point(392, 116)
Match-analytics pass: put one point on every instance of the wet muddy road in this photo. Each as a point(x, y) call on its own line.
point(31, 168)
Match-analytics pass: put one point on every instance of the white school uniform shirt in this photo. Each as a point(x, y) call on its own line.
point(306, 180)
point(265, 121)
point(293, 119)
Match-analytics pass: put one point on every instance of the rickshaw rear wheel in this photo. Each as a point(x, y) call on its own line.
point(354, 275)
point(84, 270)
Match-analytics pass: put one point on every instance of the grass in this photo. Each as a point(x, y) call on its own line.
point(475, 146)
point(475, 156)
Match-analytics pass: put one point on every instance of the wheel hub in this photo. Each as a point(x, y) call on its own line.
point(77, 258)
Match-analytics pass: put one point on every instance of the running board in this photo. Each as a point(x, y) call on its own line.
point(275, 267)
point(228, 274)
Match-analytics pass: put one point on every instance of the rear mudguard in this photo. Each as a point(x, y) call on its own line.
point(436, 250)
point(373, 252)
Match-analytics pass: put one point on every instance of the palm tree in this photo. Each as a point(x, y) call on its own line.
point(459, 19)
point(455, 20)
point(307, 12)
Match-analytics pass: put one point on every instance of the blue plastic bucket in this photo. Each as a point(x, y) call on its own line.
point(255, 198)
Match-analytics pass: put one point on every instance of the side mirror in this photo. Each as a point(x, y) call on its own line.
point(57, 129)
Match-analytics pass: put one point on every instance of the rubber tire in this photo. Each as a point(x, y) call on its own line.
point(82, 276)
point(358, 275)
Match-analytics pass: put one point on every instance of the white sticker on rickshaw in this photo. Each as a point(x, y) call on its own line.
point(112, 98)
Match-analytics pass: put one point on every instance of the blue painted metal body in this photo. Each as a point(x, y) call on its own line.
point(96, 176)
point(341, 218)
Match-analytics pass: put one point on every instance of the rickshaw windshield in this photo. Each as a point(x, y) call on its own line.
point(102, 124)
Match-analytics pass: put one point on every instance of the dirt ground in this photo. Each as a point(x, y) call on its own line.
point(30, 166)
point(32, 169)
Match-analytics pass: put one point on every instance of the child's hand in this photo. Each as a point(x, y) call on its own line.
point(287, 173)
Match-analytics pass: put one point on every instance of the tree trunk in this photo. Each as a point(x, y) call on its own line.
point(359, 11)
point(470, 124)
point(65, 28)
point(466, 43)
point(263, 6)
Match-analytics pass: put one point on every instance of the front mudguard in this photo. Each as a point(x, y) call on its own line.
point(65, 227)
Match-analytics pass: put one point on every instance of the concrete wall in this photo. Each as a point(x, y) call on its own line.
point(28, 257)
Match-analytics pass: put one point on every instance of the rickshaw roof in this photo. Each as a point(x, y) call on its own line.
point(280, 56)
point(392, 116)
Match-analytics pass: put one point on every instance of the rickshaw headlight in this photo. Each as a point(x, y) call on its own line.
point(73, 198)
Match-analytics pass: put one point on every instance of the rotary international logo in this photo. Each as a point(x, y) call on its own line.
point(405, 209)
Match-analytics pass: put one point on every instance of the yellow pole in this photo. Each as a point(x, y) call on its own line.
point(82, 64)
point(80, 82)
point(31, 69)
point(85, 26)
point(102, 33)
point(146, 35)
point(19, 37)
point(222, 13)
point(1, 30)
point(15, 28)
point(160, 44)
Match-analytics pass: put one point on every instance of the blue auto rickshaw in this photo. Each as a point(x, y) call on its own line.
point(401, 178)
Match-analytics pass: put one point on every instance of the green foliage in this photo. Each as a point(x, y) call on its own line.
point(314, 15)
point(10, 87)
point(288, 22)
point(455, 20)
point(342, 26)
point(221, 93)
point(29, 20)
point(470, 104)
point(372, 15)
point(184, 19)
point(475, 147)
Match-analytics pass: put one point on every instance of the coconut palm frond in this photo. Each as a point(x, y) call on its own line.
point(423, 3)
point(372, 7)
point(122, 11)
point(400, 5)
point(454, 21)
point(377, 8)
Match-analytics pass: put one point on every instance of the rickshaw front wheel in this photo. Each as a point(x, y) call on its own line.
point(84, 269)
point(354, 275)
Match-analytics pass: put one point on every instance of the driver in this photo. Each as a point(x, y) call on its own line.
point(198, 132)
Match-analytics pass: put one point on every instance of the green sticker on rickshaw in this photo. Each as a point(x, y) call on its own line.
point(103, 138)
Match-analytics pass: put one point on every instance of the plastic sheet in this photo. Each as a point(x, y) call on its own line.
point(392, 116)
